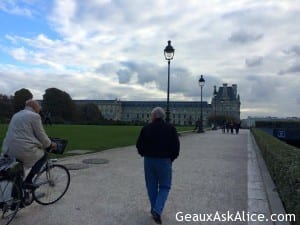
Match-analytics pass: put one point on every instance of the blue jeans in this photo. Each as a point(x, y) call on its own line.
point(158, 176)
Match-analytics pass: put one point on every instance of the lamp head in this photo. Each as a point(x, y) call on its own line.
point(169, 51)
point(201, 81)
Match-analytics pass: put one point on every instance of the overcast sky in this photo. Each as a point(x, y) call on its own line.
point(107, 49)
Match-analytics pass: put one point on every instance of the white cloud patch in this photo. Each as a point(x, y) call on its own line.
point(13, 7)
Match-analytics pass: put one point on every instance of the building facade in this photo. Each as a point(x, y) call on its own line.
point(226, 102)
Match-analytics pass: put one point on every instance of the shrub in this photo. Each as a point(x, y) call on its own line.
point(283, 162)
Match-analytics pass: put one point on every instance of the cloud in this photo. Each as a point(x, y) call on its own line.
point(124, 76)
point(256, 88)
point(293, 50)
point(295, 68)
point(12, 7)
point(43, 51)
point(19, 54)
point(115, 48)
point(243, 37)
point(269, 95)
point(254, 61)
point(182, 81)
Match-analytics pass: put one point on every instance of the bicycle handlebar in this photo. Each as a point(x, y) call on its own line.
point(61, 144)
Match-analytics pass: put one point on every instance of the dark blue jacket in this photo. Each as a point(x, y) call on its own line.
point(159, 140)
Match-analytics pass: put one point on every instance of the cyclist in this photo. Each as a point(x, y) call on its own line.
point(26, 140)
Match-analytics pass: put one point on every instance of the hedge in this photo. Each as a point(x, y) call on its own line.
point(283, 162)
point(277, 124)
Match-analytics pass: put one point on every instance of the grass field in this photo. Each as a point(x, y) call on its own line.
point(92, 137)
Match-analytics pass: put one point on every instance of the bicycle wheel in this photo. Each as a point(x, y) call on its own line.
point(10, 200)
point(53, 183)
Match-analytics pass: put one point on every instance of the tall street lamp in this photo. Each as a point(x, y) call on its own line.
point(215, 96)
point(169, 54)
point(201, 84)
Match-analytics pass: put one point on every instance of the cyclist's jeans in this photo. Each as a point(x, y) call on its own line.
point(158, 176)
point(36, 168)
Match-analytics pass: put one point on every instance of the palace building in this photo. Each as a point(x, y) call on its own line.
point(225, 101)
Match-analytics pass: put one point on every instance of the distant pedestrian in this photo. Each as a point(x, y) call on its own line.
point(231, 125)
point(158, 143)
point(237, 127)
point(227, 127)
point(223, 127)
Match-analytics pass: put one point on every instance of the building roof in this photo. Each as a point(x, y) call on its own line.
point(231, 95)
point(174, 104)
point(151, 104)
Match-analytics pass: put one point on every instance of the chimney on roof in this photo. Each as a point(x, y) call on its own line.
point(234, 88)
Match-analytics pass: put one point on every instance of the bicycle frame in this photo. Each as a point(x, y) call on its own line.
point(48, 164)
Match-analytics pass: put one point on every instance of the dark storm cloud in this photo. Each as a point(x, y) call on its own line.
point(124, 76)
point(243, 37)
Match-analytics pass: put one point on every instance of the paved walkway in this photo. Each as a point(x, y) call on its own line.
point(211, 174)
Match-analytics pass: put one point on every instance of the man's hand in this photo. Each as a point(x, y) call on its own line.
point(53, 145)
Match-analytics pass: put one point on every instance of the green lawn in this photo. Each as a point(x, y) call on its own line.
point(92, 137)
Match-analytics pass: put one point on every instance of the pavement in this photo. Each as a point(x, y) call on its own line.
point(215, 173)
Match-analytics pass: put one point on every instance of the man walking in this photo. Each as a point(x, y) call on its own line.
point(158, 143)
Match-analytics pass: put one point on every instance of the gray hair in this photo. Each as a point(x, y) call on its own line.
point(29, 102)
point(33, 104)
point(158, 113)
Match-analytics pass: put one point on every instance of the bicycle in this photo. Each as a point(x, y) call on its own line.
point(52, 183)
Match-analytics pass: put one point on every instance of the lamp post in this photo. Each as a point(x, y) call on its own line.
point(215, 96)
point(169, 54)
point(201, 84)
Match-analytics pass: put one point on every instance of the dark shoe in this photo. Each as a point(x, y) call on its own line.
point(30, 186)
point(156, 217)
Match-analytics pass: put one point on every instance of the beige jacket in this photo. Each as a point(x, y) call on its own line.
point(26, 138)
